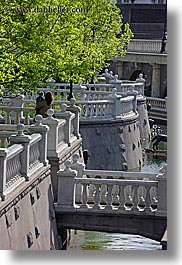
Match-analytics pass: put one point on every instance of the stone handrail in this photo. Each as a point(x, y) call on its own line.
point(111, 190)
point(13, 164)
point(145, 46)
point(96, 109)
point(126, 105)
point(34, 152)
point(119, 174)
point(106, 194)
point(10, 118)
point(157, 103)
point(25, 155)
point(114, 106)
point(112, 194)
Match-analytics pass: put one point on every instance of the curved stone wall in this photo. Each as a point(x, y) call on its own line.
point(112, 144)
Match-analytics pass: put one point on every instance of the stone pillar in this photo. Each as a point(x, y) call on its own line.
point(155, 81)
point(141, 80)
point(162, 191)
point(79, 90)
point(66, 186)
point(3, 164)
point(55, 133)
point(79, 167)
point(116, 82)
point(76, 121)
point(101, 80)
point(43, 130)
point(134, 93)
point(17, 102)
point(68, 116)
point(23, 139)
point(106, 75)
point(116, 110)
point(145, 132)
point(120, 69)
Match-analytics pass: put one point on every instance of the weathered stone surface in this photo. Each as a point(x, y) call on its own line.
point(28, 226)
point(113, 146)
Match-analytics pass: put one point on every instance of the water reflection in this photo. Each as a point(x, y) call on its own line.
point(86, 240)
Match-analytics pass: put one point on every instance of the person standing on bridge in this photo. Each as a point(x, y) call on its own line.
point(45, 104)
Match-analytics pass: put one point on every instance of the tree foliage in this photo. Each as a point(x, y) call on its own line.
point(58, 38)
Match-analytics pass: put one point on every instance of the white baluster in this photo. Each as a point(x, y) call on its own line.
point(135, 198)
point(109, 197)
point(97, 197)
point(147, 200)
point(84, 196)
point(115, 195)
point(121, 198)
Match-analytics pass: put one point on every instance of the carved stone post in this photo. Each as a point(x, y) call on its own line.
point(79, 91)
point(55, 133)
point(117, 83)
point(66, 186)
point(134, 93)
point(76, 121)
point(23, 139)
point(140, 79)
point(106, 75)
point(43, 130)
point(3, 164)
point(79, 167)
point(162, 191)
point(68, 116)
point(17, 102)
point(116, 110)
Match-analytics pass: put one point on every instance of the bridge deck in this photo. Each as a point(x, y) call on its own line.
point(147, 225)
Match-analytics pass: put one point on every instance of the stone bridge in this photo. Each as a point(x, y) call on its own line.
point(112, 201)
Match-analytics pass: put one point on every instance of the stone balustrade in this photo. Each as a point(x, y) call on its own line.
point(25, 155)
point(127, 195)
point(112, 107)
point(96, 109)
point(69, 129)
point(18, 109)
point(14, 115)
point(110, 194)
point(157, 103)
point(145, 46)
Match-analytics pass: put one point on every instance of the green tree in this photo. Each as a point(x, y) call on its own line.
point(67, 40)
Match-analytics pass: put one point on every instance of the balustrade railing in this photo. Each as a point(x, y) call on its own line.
point(111, 190)
point(96, 109)
point(94, 100)
point(34, 152)
point(126, 105)
point(145, 46)
point(21, 155)
point(13, 166)
point(112, 194)
point(90, 109)
point(14, 115)
point(157, 103)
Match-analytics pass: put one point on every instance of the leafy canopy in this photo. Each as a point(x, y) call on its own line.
point(61, 39)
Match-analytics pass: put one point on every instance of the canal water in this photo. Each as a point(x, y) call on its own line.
point(88, 240)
